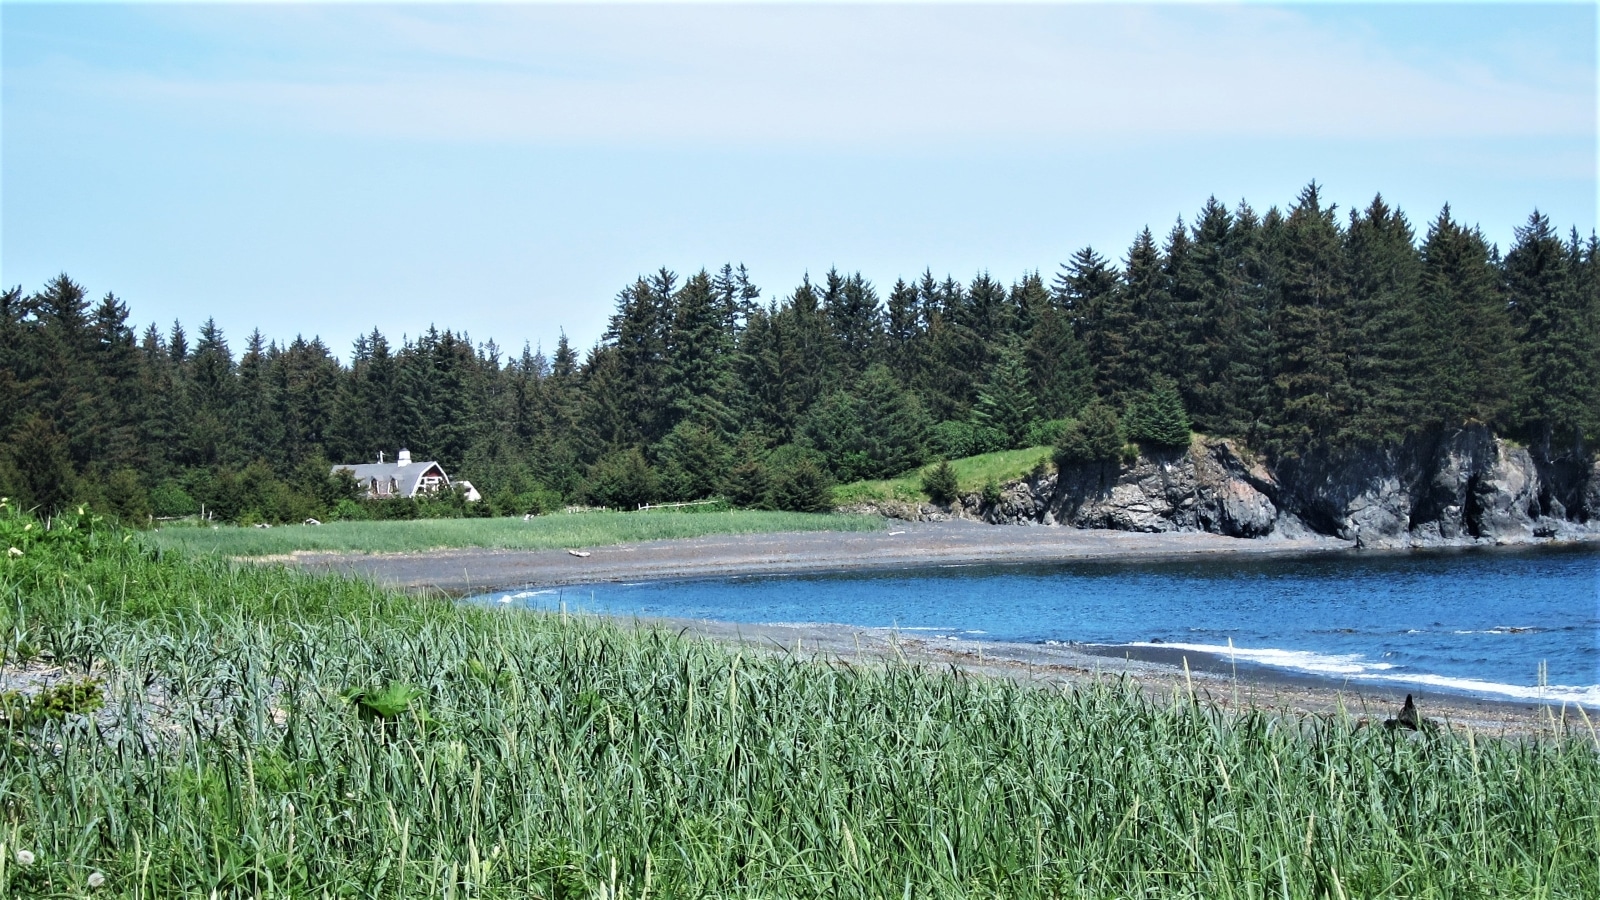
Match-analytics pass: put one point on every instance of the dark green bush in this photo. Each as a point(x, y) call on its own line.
point(1096, 437)
point(939, 482)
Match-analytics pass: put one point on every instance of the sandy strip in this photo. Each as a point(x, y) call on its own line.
point(901, 545)
point(906, 545)
point(1165, 675)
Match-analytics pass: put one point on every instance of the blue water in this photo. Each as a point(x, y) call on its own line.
point(1503, 624)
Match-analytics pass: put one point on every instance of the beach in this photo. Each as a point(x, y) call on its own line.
point(1164, 674)
point(1156, 670)
point(900, 545)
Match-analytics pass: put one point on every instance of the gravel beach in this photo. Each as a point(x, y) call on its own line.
point(903, 545)
point(900, 545)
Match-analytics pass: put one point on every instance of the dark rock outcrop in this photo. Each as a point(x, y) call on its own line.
point(1449, 488)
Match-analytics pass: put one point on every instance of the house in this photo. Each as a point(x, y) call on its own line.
point(404, 478)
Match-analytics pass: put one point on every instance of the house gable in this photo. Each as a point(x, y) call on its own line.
point(384, 480)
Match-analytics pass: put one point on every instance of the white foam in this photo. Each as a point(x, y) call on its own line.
point(1355, 666)
point(1577, 695)
point(1303, 660)
point(521, 595)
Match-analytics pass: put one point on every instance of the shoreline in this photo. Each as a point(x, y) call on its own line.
point(1160, 673)
point(461, 572)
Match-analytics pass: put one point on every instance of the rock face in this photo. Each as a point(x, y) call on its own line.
point(1456, 487)
point(1453, 487)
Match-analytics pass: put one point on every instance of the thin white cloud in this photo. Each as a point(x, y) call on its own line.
point(885, 77)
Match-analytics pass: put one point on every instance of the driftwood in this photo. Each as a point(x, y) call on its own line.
point(1408, 718)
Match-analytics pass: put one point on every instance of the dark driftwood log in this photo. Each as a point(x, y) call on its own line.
point(1408, 717)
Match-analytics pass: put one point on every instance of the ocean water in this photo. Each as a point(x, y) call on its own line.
point(1503, 624)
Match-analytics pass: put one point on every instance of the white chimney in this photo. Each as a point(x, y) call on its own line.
point(380, 456)
point(404, 459)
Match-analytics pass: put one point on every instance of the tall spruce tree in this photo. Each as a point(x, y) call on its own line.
point(1468, 367)
point(1311, 389)
point(1005, 403)
point(700, 357)
point(1156, 416)
point(1549, 314)
point(1382, 327)
point(1087, 288)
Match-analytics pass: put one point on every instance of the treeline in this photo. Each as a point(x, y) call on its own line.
point(1294, 330)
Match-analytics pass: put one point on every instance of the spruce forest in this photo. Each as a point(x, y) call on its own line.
point(1292, 330)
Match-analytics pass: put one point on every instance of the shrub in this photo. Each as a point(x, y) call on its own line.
point(992, 493)
point(939, 483)
point(1096, 437)
point(747, 484)
point(955, 440)
point(803, 486)
point(621, 479)
point(170, 499)
point(1047, 432)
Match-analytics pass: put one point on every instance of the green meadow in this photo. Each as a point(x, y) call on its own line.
point(223, 729)
point(548, 532)
point(972, 473)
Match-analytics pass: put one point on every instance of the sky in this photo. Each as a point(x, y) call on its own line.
point(506, 169)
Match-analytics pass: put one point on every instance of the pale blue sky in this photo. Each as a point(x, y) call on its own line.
point(505, 169)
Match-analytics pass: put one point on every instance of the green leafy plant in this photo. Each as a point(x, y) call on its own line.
point(67, 698)
point(388, 702)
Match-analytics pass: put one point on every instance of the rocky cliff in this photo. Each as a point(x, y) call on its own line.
point(1458, 487)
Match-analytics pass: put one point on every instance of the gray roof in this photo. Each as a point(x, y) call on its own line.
point(405, 476)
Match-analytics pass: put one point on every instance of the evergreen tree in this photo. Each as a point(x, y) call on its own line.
point(1223, 355)
point(209, 438)
point(833, 427)
point(1382, 325)
point(1005, 403)
point(259, 431)
point(114, 394)
point(805, 355)
point(700, 355)
point(855, 317)
point(939, 483)
point(748, 485)
point(40, 467)
point(802, 486)
point(1310, 383)
point(1150, 318)
point(987, 310)
point(1157, 416)
point(894, 425)
point(1548, 309)
point(1468, 366)
point(1094, 437)
point(694, 461)
point(622, 479)
point(1088, 290)
point(639, 332)
point(903, 332)
point(1059, 374)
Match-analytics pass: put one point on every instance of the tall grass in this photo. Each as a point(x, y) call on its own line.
point(972, 473)
point(549, 532)
point(554, 757)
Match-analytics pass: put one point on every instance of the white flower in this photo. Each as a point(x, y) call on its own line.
point(96, 879)
point(24, 857)
point(13, 553)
